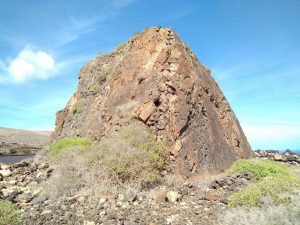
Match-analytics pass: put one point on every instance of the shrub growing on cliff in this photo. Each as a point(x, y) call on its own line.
point(133, 154)
point(273, 179)
point(105, 70)
point(78, 108)
point(9, 213)
point(62, 145)
point(121, 46)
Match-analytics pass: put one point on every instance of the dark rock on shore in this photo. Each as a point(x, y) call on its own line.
point(287, 156)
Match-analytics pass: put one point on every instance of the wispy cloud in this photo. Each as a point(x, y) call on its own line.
point(74, 29)
point(28, 65)
point(79, 26)
point(234, 71)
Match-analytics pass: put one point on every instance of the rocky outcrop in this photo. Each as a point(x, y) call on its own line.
point(287, 157)
point(156, 79)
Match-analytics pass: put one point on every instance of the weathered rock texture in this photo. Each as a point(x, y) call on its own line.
point(157, 79)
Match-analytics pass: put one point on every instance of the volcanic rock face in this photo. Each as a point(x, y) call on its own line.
point(157, 79)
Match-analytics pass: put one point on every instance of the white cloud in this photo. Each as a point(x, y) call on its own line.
point(28, 65)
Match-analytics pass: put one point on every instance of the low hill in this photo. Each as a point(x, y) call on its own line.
point(29, 137)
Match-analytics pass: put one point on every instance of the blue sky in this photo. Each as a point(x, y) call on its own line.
point(252, 47)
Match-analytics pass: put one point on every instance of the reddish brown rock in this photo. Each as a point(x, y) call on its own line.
point(157, 79)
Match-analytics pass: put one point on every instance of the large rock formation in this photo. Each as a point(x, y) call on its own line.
point(157, 79)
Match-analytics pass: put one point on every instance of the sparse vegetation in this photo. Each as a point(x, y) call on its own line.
point(78, 108)
point(121, 46)
point(106, 69)
point(133, 154)
point(64, 144)
point(9, 213)
point(271, 214)
point(273, 179)
point(93, 89)
point(132, 158)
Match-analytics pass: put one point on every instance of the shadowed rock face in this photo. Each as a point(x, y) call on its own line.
point(157, 79)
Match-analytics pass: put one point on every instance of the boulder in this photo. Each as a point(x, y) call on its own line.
point(173, 196)
point(5, 173)
point(277, 157)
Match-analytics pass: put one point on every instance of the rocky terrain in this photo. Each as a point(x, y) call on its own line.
point(16, 142)
point(185, 202)
point(179, 201)
point(156, 79)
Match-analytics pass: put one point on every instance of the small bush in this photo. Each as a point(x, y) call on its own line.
point(93, 89)
point(78, 108)
point(253, 194)
point(105, 70)
point(9, 213)
point(273, 179)
point(62, 145)
point(121, 46)
point(261, 168)
point(133, 154)
point(269, 214)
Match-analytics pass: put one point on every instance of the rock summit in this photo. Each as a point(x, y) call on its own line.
point(156, 79)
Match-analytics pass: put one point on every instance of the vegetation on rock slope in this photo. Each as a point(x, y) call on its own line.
point(9, 213)
point(133, 154)
point(64, 144)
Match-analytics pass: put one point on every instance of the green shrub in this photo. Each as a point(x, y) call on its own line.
point(121, 46)
point(59, 146)
point(272, 214)
point(78, 108)
point(106, 69)
point(9, 213)
point(273, 179)
point(93, 89)
point(253, 194)
point(261, 168)
point(133, 154)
